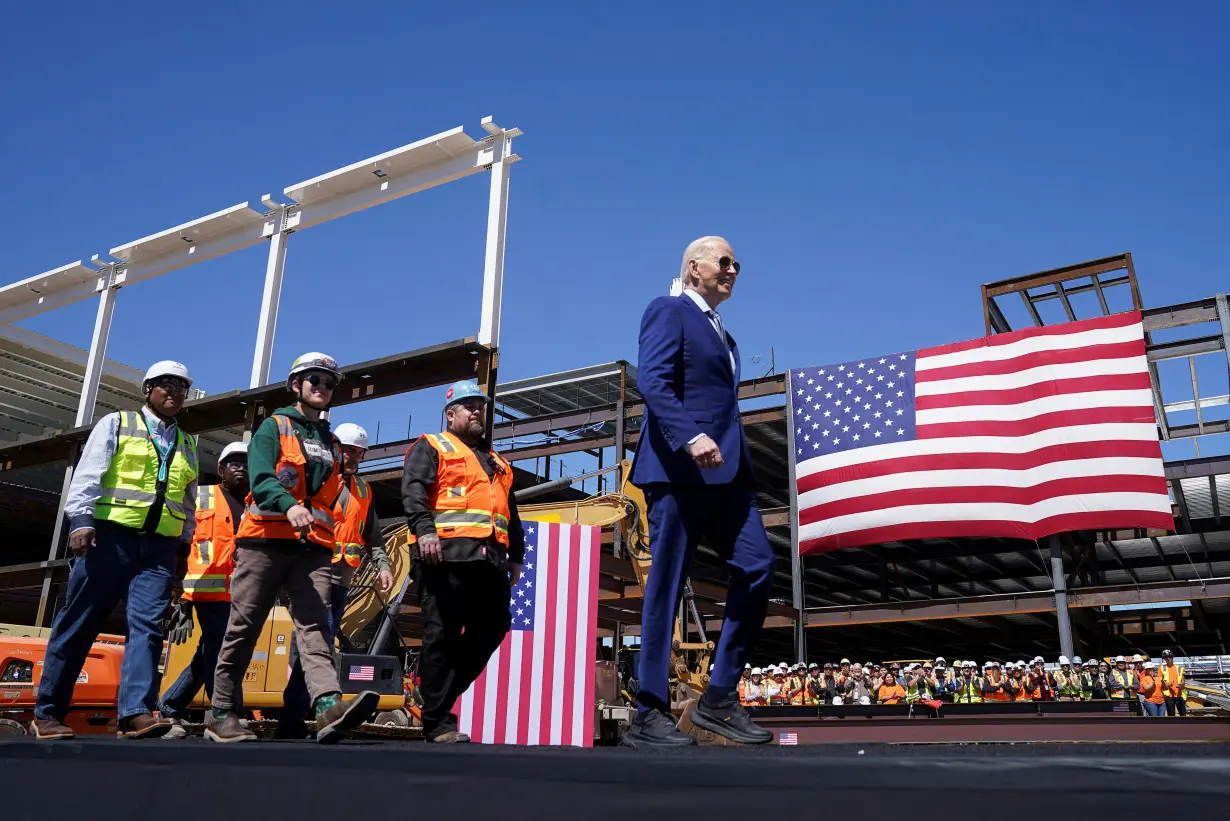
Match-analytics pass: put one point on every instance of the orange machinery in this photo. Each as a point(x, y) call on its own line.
point(93, 710)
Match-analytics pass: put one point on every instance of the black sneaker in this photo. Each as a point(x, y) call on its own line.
point(654, 729)
point(730, 720)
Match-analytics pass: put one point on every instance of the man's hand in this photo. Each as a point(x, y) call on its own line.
point(386, 581)
point(514, 573)
point(705, 453)
point(300, 517)
point(180, 629)
point(430, 550)
point(80, 541)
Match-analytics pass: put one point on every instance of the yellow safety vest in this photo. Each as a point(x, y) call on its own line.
point(130, 487)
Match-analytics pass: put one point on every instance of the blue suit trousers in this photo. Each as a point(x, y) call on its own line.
point(727, 519)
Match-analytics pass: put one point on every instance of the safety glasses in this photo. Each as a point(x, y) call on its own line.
point(170, 384)
point(321, 380)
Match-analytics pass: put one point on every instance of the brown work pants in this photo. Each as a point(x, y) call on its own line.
point(260, 572)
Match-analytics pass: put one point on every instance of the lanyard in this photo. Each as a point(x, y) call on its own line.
point(164, 452)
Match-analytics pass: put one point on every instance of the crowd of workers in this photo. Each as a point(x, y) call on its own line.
point(290, 516)
point(1161, 690)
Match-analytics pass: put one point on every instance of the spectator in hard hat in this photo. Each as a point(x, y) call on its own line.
point(858, 687)
point(285, 543)
point(1137, 664)
point(1123, 681)
point(1016, 687)
point(890, 690)
point(1067, 681)
point(754, 690)
point(1101, 682)
point(131, 511)
point(969, 687)
point(1041, 683)
point(356, 531)
point(1174, 683)
point(774, 685)
point(745, 678)
point(843, 674)
point(467, 550)
point(814, 685)
point(207, 583)
point(1152, 690)
point(994, 684)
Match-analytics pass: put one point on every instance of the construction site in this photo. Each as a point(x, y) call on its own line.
point(1096, 594)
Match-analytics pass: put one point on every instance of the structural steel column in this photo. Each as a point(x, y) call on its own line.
point(493, 262)
point(272, 297)
point(85, 416)
point(1059, 580)
point(798, 599)
point(619, 448)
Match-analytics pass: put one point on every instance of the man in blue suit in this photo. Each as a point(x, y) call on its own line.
point(695, 468)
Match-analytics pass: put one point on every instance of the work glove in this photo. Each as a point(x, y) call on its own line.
point(180, 629)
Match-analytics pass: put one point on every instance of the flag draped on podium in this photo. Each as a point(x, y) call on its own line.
point(538, 687)
point(1022, 435)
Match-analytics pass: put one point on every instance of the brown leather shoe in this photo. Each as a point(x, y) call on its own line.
point(450, 737)
point(226, 730)
point(48, 729)
point(335, 723)
point(143, 726)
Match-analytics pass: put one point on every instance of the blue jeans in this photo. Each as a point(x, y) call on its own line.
point(211, 618)
point(1154, 710)
point(123, 564)
point(295, 700)
point(679, 517)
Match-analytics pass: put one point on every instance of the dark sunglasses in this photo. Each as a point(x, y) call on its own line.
point(318, 380)
point(170, 384)
point(726, 263)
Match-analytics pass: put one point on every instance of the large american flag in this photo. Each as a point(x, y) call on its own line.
point(1019, 435)
point(538, 688)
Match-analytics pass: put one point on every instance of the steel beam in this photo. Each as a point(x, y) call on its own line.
point(98, 346)
point(497, 223)
point(1176, 316)
point(1061, 596)
point(1029, 306)
point(1160, 351)
point(271, 298)
point(1017, 603)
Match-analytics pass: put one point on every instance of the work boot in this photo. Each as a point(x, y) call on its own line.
point(223, 726)
point(449, 737)
point(335, 718)
point(143, 725)
point(653, 728)
point(48, 729)
point(727, 718)
point(177, 730)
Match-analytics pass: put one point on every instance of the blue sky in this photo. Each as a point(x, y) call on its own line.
point(872, 163)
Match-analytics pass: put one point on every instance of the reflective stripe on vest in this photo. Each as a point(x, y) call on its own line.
point(465, 502)
point(269, 524)
point(129, 487)
point(211, 558)
point(350, 517)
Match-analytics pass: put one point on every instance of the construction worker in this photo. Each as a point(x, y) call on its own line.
point(843, 674)
point(1174, 682)
point(994, 685)
point(356, 528)
point(773, 685)
point(466, 547)
point(1123, 681)
point(798, 685)
point(969, 688)
point(1016, 682)
point(286, 542)
point(890, 691)
point(1086, 679)
point(207, 583)
point(754, 691)
point(814, 685)
point(130, 511)
point(1101, 682)
point(1040, 683)
point(744, 680)
point(1152, 691)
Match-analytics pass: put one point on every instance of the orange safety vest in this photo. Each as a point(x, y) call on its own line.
point(1046, 693)
point(350, 515)
point(742, 688)
point(796, 687)
point(211, 558)
point(1174, 688)
point(269, 524)
point(465, 502)
point(1016, 686)
point(1001, 695)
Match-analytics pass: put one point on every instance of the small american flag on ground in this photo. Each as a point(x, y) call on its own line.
point(538, 687)
point(1019, 435)
point(788, 739)
point(362, 672)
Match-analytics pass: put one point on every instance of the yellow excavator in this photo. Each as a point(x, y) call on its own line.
point(369, 619)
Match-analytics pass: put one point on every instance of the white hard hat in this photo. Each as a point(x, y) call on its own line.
point(313, 361)
point(348, 433)
point(232, 449)
point(711, 668)
point(747, 667)
point(865, 700)
point(167, 367)
point(1076, 660)
point(1039, 660)
point(1022, 665)
point(1119, 659)
point(1137, 657)
point(1150, 665)
point(1064, 660)
point(837, 702)
point(756, 671)
point(940, 660)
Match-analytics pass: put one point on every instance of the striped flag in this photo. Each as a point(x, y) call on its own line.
point(1019, 435)
point(538, 687)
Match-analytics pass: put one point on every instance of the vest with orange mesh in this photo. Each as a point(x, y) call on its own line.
point(270, 524)
point(465, 502)
point(211, 559)
point(350, 515)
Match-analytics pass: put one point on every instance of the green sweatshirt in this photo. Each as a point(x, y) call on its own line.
point(263, 452)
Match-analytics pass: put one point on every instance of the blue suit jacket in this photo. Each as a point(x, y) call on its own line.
point(689, 387)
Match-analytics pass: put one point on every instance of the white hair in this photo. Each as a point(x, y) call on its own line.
point(695, 250)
